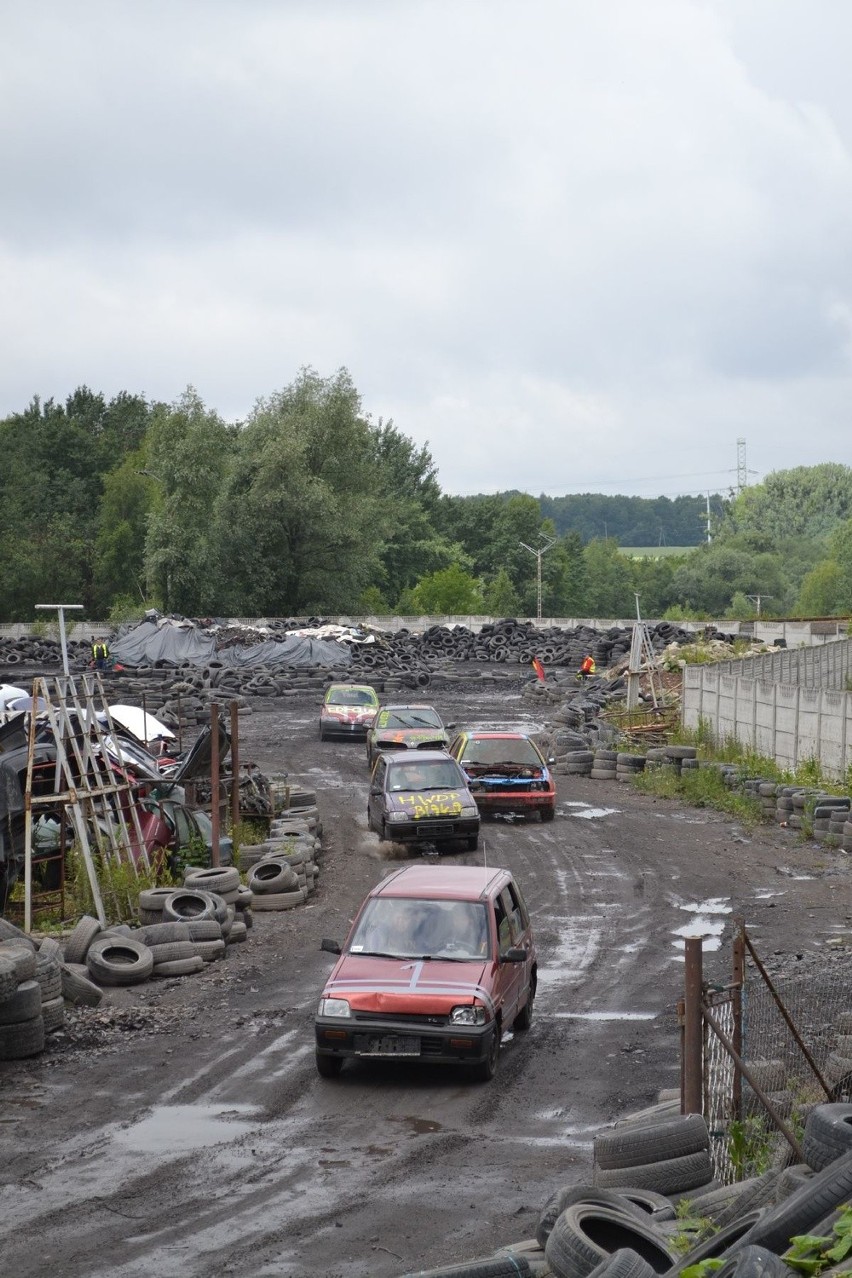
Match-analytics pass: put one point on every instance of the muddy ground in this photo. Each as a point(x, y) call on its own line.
point(181, 1129)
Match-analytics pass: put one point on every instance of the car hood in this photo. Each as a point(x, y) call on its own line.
point(428, 803)
point(410, 738)
point(419, 986)
point(350, 714)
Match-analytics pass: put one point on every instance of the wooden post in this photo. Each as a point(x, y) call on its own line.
point(214, 781)
point(235, 767)
point(693, 1029)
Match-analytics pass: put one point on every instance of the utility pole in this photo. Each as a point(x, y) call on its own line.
point(709, 537)
point(551, 541)
point(61, 609)
point(742, 470)
point(757, 599)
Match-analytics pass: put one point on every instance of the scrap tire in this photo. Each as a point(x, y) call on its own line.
point(53, 1014)
point(8, 979)
point(78, 989)
point(630, 1147)
point(567, 1196)
point(119, 962)
point(23, 1005)
point(828, 1134)
point(575, 1248)
point(720, 1242)
point(21, 1039)
point(603, 774)
point(188, 905)
point(22, 958)
point(77, 945)
point(164, 933)
point(272, 901)
point(667, 1176)
point(172, 952)
point(483, 1071)
point(151, 899)
point(809, 1204)
point(272, 877)
point(180, 967)
point(219, 880)
point(49, 978)
point(754, 1262)
point(624, 1263)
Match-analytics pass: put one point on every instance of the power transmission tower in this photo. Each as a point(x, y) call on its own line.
point(542, 550)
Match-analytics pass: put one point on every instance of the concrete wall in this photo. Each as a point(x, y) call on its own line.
point(804, 713)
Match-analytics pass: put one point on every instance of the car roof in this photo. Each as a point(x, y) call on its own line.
point(499, 736)
point(447, 882)
point(357, 687)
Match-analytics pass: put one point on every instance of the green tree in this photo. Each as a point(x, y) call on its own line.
point(609, 590)
point(450, 590)
point(190, 452)
point(120, 542)
point(808, 501)
point(500, 599)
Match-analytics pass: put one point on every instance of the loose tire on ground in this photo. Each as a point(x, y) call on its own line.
point(584, 1236)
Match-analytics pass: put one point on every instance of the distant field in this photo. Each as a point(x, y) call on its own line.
point(654, 552)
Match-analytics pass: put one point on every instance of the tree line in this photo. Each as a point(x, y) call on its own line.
point(310, 507)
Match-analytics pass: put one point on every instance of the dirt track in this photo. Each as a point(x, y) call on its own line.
point(181, 1128)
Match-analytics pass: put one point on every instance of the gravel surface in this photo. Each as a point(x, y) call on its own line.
point(181, 1129)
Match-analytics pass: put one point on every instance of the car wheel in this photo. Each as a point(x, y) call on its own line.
point(524, 1018)
point(472, 842)
point(547, 814)
point(483, 1071)
point(329, 1066)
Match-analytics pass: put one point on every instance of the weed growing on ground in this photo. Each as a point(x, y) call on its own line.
point(119, 884)
point(701, 788)
point(692, 1229)
point(750, 1146)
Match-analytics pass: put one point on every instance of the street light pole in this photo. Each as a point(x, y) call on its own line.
point(551, 541)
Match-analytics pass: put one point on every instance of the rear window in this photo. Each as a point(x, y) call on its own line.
point(398, 927)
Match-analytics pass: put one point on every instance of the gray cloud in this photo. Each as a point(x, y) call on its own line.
point(571, 246)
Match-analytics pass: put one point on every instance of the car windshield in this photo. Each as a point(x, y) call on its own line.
point(440, 775)
point(351, 697)
point(501, 750)
point(407, 928)
point(423, 718)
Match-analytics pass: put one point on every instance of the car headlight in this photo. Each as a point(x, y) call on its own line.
point(467, 1015)
point(398, 816)
point(469, 811)
point(333, 1007)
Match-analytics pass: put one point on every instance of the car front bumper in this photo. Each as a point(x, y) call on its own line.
point(388, 1039)
point(524, 801)
point(434, 831)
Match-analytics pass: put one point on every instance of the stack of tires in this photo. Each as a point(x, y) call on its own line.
point(604, 765)
point(838, 1066)
point(628, 765)
point(829, 815)
point(576, 763)
point(22, 1029)
point(669, 1154)
point(275, 883)
point(675, 755)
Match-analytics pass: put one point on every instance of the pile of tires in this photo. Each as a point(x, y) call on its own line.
point(628, 766)
point(604, 765)
point(22, 1028)
point(669, 1154)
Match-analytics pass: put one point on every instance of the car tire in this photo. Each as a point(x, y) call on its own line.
point(329, 1066)
point(547, 814)
point(472, 842)
point(578, 1241)
point(483, 1071)
point(524, 1018)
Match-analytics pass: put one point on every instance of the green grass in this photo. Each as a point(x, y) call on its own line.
point(701, 788)
point(654, 552)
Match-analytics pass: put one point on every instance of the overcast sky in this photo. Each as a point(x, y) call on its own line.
point(573, 245)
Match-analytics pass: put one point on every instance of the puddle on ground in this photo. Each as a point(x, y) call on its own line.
point(588, 813)
point(708, 923)
point(603, 1016)
point(184, 1127)
point(419, 1126)
point(717, 905)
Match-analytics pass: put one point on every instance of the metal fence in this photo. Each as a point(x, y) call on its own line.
point(762, 1048)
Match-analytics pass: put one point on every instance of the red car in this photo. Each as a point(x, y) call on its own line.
point(506, 772)
point(438, 963)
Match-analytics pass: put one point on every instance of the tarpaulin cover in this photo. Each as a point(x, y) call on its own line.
point(174, 645)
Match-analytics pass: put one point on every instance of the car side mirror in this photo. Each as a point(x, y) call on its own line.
point(332, 947)
point(514, 955)
point(451, 727)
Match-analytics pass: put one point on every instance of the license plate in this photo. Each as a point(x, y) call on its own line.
point(390, 1045)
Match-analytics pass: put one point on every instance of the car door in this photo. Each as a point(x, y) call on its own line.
point(513, 932)
point(375, 800)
